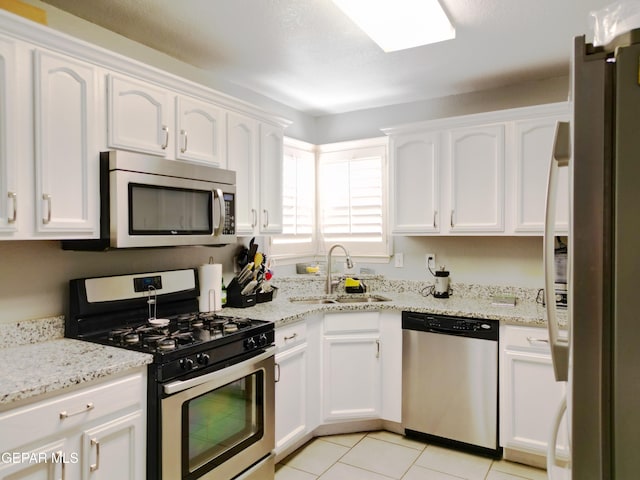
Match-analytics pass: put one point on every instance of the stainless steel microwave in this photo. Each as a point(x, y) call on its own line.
point(147, 201)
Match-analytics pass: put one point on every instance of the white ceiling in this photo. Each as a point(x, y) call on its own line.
point(308, 55)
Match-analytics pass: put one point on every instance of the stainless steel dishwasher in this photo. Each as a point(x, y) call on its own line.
point(450, 381)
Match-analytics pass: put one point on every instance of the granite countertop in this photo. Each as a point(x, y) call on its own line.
point(31, 368)
point(282, 311)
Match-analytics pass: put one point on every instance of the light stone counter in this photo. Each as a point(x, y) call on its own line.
point(35, 359)
point(467, 301)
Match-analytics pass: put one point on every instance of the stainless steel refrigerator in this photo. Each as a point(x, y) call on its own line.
point(601, 360)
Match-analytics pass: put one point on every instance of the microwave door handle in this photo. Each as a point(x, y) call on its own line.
point(217, 193)
point(559, 158)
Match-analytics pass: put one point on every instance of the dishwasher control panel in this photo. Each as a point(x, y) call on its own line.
point(449, 325)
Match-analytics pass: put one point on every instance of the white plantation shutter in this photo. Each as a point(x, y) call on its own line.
point(298, 203)
point(352, 198)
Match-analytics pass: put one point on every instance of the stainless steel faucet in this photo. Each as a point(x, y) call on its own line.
point(330, 284)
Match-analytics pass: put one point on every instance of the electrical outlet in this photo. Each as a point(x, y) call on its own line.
point(399, 258)
point(430, 260)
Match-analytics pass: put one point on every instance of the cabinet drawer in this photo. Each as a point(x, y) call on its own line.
point(67, 411)
point(351, 322)
point(290, 335)
point(530, 339)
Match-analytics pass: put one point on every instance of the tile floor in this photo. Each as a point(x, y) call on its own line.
point(385, 455)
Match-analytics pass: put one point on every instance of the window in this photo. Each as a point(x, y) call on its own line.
point(352, 196)
point(346, 204)
point(298, 202)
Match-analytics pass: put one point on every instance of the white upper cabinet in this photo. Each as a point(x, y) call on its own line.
point(9, 192)
point(483, 174)
point(66, 152)
point(200, 128)
point(415, 168)
point(533, 148)
point(242, 156)
point(269, 182)
point(476, 196)
point(254, 151)
point(139, 116)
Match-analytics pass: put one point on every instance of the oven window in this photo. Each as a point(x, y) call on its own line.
point(156, 210)
point(221, 423)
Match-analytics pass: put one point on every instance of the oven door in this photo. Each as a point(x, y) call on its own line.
point(219, 424)
point(150, 210)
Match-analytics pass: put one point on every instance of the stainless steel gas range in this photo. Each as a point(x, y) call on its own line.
point(210, 411)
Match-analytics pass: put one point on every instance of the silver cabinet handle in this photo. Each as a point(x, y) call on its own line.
point(14, 198)
point(183, 133)
point(88, 407)
point(254, 220)
point(95, 466)
point(277, 372)
point(377, 348)
point(291, 337)
point(47, 198)
point(60, 454)
point(451, 223)
point(165, 129)
point(266, 217)
point(435, 213)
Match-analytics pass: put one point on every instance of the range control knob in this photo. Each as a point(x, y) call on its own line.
point(262, 340)
point(250, 343)
point(186, 364)
point(203, 358)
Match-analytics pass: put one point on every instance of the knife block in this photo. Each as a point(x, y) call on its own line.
point(236, 299)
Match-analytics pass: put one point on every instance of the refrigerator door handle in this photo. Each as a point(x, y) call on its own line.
point(559, 158)
point(553, 439)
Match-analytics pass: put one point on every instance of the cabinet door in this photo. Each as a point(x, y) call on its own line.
point(44, 462)
point(415, 181)
point(351, 377)
point(66, 153)
point(269, 182)
point(8, 166)
point(534, 144)
point(242, 156)
point(477, 179)
point(532, 398)
point(291, 396)
point(201, 132)
point(138, 116)
point(115, 449)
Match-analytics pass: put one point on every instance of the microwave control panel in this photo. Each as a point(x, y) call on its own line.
point(230, 214)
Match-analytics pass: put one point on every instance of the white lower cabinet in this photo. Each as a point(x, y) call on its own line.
point(98, 432)
point(530, 396)
point(109, 450)
point(291, 385)
point(351, 366)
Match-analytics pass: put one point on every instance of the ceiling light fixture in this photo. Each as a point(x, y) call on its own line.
point(399, 24)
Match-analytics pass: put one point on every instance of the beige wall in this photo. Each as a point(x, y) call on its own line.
point(34, 275)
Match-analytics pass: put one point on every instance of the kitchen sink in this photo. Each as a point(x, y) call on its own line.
point(312, 301)
point(365, 299)
point(340, 299)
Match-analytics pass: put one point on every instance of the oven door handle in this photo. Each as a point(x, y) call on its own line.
point(181, 385)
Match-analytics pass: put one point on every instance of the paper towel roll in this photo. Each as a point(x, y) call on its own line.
point(210, 276)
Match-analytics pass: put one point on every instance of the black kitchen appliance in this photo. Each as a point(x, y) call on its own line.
point(206, 369)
